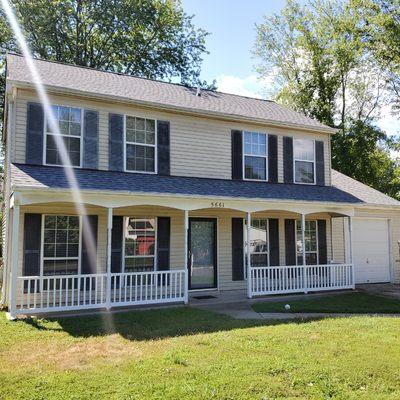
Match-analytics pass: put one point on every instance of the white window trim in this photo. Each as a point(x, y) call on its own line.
point(155, 268)
point(45, 133)
point(155, 145)
point(43, 258)
point(245, 247)
point(244, 154)
point(317, 243)
point(299, 159)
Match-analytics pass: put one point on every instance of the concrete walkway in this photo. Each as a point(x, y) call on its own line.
point(381, 289)
point(244, 310)
point(238, 306)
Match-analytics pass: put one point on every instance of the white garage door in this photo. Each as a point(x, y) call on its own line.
point(371, 250)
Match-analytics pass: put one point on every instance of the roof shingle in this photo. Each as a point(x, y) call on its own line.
point(345, 190)
point(157, 93)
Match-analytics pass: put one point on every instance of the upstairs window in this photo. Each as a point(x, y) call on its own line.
point(70, 132)
point(140, 139)
point(311, 243)
point(139, 244)
point(255, 155)
point(304, 161)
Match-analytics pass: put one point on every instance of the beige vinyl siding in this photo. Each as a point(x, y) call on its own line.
point(199, 146)
point(339, 238)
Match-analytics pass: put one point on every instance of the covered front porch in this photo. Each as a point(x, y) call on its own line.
point(190, 259)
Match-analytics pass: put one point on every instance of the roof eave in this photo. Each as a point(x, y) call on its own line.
point(185, 110)
point(33, 189)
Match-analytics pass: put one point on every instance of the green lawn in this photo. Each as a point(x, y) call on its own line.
point(184, 353)
point(356, 303)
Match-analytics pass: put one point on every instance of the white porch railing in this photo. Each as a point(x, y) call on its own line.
point(296, 279)
point(147, 287)
point(37, 294)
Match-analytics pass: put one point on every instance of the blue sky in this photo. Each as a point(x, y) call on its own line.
point(231, 24)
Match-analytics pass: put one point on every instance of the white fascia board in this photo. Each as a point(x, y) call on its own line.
point(181, 201)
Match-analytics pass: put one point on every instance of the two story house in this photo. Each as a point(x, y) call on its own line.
point(126, 191)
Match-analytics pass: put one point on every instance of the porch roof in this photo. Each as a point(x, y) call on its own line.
point(344, 191)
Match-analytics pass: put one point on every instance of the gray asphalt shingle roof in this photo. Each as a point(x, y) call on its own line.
point(363, 192)
point(91, 81)
point(344, 189)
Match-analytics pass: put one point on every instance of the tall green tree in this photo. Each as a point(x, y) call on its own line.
point(379, 27)
point(147, 38)
point(326, 69)
point(369, 150)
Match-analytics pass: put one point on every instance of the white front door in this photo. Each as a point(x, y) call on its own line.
point(371, 250)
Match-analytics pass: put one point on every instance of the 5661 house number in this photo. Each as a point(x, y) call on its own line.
point(217, 204)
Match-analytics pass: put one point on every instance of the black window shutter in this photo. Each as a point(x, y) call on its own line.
point(273, 228)
point(322, 244)
point(290, 241)
point(272, 158)
point(89, 255)
point(237, 249)
point(116, 244)
point(320, 163)
point(163, 243)
point(288, 159)
point(32, 244)
point(163, 144)
point(91, 139)
point(34, 134)
point(237, 155)
point(115, 142)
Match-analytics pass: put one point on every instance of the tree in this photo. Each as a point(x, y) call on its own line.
point(368, 149)
point(379, 27)
point(326, 70)
point(320, 59)
point(147, 38)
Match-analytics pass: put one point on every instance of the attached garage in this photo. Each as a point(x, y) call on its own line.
point(371, 250)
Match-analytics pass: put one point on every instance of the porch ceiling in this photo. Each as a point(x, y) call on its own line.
point(44, 177)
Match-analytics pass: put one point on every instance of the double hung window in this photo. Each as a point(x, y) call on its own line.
point(67, 136)
point(140, 142)
point(255, 154)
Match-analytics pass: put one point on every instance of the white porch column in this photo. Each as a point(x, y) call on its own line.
point(303, 251)
point(109, 250)
point(186, 238)
point(248, 257)
point(351, 251)
point(14, 262)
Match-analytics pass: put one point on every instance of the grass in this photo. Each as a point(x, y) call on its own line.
point(352, 303)
point(184, 353)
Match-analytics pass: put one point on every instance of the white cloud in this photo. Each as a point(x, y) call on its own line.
point(250, 86)
point(388, 122)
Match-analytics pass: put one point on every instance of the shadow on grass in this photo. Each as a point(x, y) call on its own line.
point(150, 324)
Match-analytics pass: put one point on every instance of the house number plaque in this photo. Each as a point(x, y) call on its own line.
point(217, 204)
